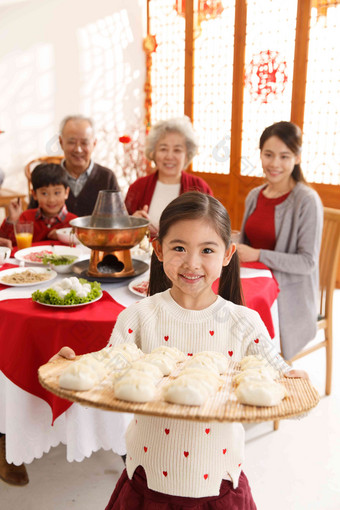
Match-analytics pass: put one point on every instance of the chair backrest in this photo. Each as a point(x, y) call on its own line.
point(329, 256)
point(32, 164)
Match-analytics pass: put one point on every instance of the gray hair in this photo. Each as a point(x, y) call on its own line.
point(75, 117)
point(181, 125)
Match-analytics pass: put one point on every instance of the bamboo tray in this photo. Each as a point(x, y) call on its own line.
point(223, 406)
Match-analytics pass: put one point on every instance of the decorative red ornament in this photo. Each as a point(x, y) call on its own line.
point(207, 9)
point(150, 44)
point(124, 139)
point(266, 76)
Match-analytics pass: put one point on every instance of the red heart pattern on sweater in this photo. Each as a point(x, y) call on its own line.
point(130, 330)
point(186, 454)
point(145, 449)
point(224, 451)
point(165, 473)
point(110, 345)
point(167, 431)
point(189, 353)
point(256, 340)
point(205, 476)
point(230, 353)
point(166, 338)
point(212, 333)
point(207, 431)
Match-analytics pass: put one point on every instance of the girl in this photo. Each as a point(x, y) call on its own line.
point(176, 464)
point(282, 227)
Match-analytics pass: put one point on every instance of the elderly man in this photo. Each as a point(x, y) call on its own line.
point(85, 177)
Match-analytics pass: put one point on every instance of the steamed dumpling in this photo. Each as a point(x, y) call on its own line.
point(186, 390)
point(173, 352)
point(165, 363)
point(219, 359)
point(135, 387)
point(260, 393)
point(78, 377)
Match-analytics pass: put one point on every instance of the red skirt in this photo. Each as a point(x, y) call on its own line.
point(135, 495)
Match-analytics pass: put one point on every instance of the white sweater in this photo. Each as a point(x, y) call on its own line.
point(184, 457)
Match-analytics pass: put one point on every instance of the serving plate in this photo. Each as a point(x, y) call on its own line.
point(9, 272)
point(71, 306)
point(139, 282)
point(223, 406)
point(57, 249)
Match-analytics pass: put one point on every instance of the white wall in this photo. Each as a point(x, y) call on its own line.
point(59, 57)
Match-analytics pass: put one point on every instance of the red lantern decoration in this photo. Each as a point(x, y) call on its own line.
point(207, 9)
point(266, 76)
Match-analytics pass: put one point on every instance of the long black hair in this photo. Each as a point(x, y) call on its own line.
point(290, 134)
point(192, 206)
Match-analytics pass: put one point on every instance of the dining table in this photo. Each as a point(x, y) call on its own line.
point(35, 420)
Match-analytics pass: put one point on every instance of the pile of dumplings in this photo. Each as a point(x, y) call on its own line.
point(138, 383)
point(92, 368)
point(198, 379)
point(256, 385)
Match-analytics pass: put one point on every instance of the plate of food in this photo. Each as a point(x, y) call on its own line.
point(24, 276)
point(60, 263)
point(139, 287)
point(69, 292)
point(35, 254)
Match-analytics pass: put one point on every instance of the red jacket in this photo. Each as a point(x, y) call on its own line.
point(40, 227)
point(141, 191)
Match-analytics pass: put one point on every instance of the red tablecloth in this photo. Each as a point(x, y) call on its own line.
point(31, 333)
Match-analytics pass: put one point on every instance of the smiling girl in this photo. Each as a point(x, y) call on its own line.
point(175, 464)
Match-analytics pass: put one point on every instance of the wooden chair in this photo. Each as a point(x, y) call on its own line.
point(32, 164)
point(7, 195)
point(328, 264)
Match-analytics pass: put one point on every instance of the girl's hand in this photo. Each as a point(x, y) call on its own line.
point(65, 352)
point(297, 373)
point(15, 209)
point(247, 254)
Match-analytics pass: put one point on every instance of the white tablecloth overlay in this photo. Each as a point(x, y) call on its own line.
point(26, 419)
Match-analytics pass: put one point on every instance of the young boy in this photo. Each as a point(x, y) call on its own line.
point(50, 190)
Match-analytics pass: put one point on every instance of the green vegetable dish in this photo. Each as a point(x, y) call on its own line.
point(59, 294)
point(58, 260)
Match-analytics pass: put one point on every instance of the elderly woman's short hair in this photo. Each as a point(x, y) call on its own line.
point(75, 117)
point(181, 125)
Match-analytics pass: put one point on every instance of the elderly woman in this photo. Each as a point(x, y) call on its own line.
point(171, 145)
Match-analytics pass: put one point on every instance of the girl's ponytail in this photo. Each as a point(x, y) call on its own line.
point(158, 279)
point(230, 281)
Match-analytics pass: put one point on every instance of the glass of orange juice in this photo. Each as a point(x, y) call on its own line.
point(24, 234)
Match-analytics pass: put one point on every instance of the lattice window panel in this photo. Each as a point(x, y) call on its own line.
point(213, 77)
point(268, 87)
point(167, 72)
point(321, 138)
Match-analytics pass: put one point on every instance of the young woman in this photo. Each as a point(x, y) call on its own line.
point(282, 227)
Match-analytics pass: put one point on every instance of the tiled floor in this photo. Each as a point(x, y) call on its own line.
point(295, 468)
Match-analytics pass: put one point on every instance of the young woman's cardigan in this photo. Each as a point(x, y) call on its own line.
point(294, 262)
point(141, 191)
